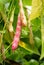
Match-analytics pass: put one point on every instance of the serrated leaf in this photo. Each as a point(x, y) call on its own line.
point(36, 9)
point(28, 48)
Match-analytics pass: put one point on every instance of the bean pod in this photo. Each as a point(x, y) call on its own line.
point(23, 17)
point(17, 34)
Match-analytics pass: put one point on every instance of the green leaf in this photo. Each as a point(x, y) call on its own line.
point(27, 2)
point(4, 1)
point(28, 48)
point(24, 33)
point(36, 9)
point(42, 63)
point(37, 42)
point(1, 6)
point(7, 37)
point(36, 23)
point(15, 17)
point(43, 6)
point(25, 62)
point(33, 62)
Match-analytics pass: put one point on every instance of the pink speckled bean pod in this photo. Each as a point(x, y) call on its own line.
point(17, 34)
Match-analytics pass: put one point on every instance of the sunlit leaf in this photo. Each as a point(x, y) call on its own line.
point(36, 9)
point(27, 2)
point(43, 6)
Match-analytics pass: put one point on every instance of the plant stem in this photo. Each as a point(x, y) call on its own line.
point(42, 29)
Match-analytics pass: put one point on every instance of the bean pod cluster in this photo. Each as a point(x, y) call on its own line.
point(21, 22)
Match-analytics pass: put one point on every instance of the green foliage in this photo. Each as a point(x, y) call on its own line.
point(36, 19)
point(33, 62)
point(42, 63)
point(27, 2)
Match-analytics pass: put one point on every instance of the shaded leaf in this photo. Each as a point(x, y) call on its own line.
point(42, 63)
point(33, 62)
point(7, 37)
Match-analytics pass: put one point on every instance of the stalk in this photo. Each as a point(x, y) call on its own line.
point(42, 29)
